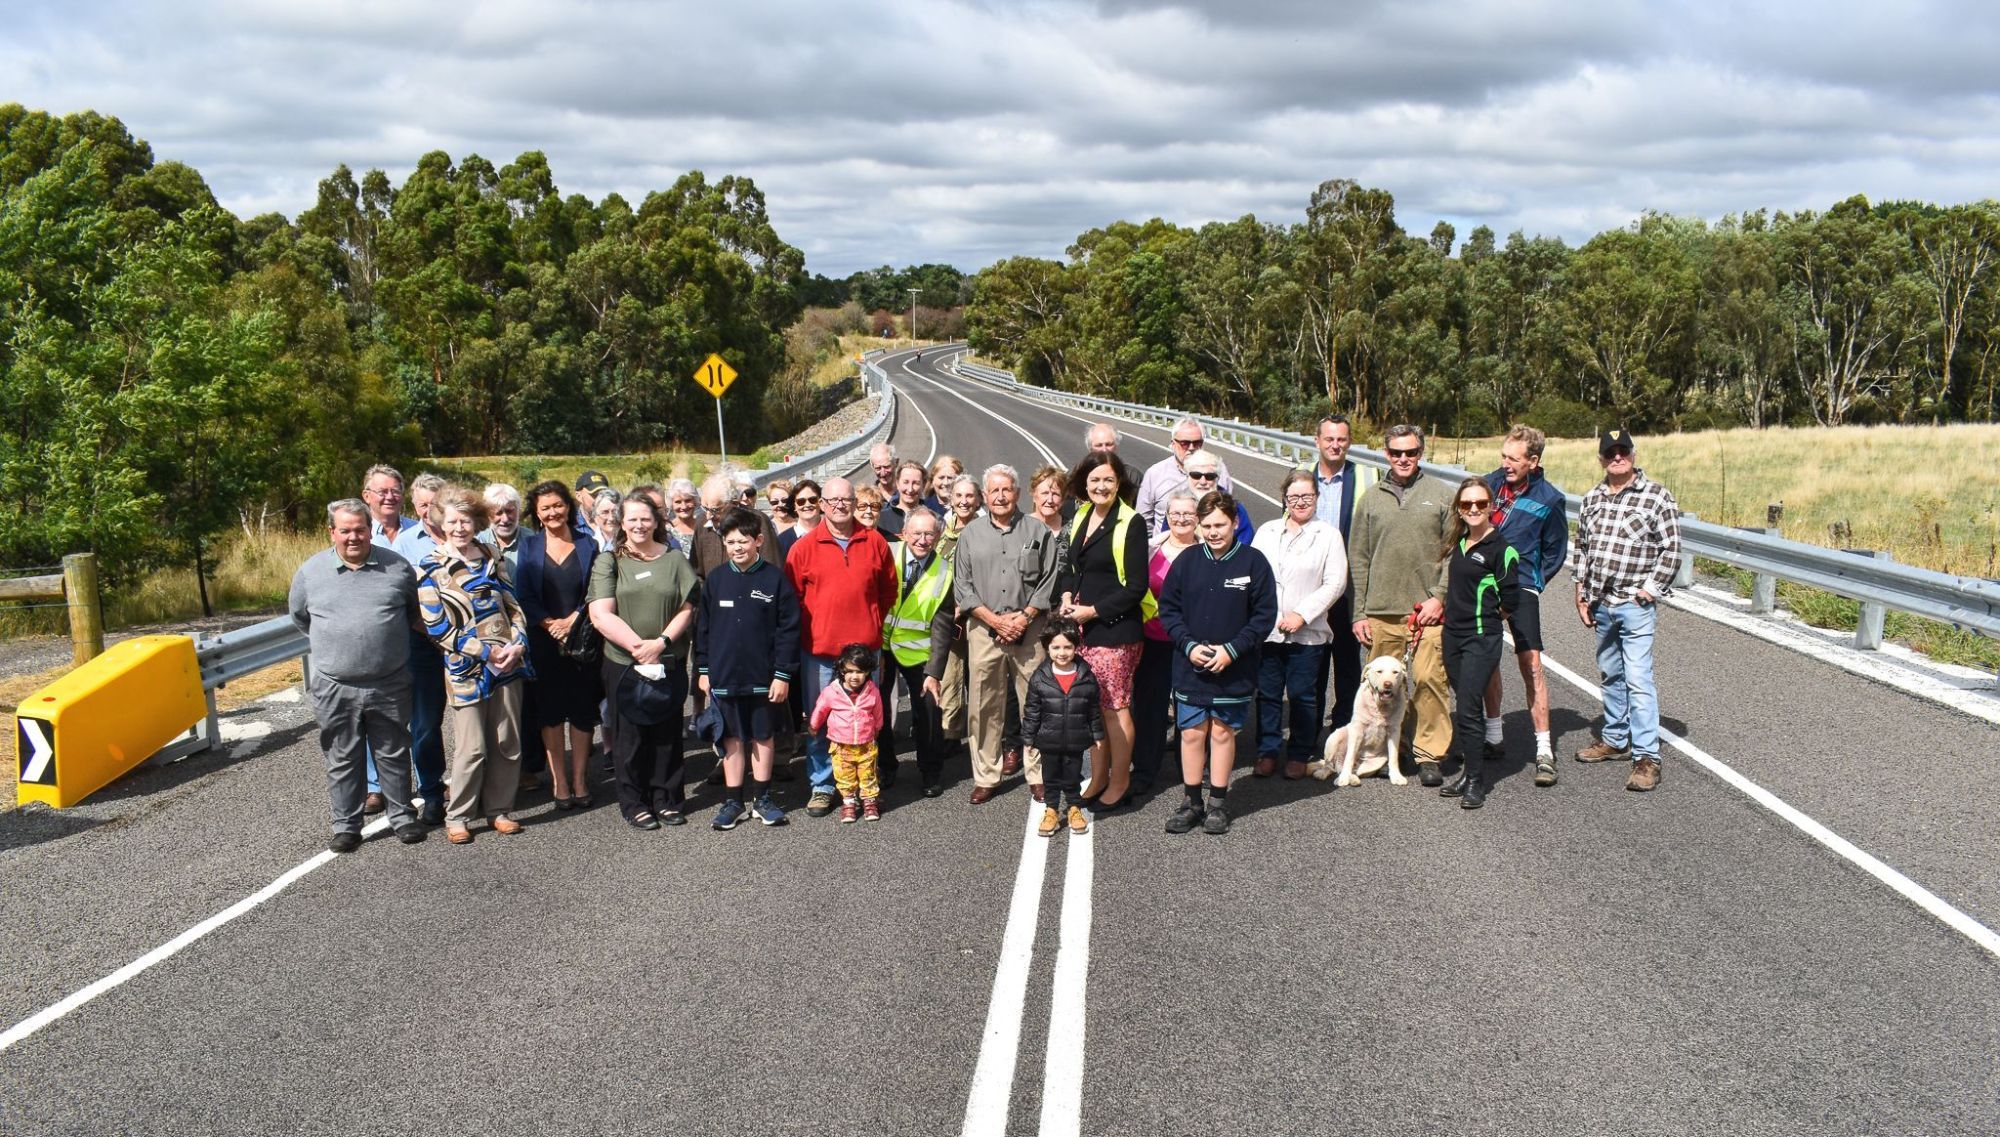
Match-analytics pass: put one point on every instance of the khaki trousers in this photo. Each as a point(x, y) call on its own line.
point(951, 699)
point(990, 665)
point(484, 770)
point(1430, 704)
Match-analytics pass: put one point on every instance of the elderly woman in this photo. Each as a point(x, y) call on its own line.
point(604, 516)
point(470, 612)
point(1205, 475)
point(1103, 588)
point(778, 495)
point(683, 516)
point(1218, 605)
point(1152, 685)
point(1048, 489)
point(948, 666)
point(1309, 561)
point(868, 506)
point(554, 575)
point(642, 599)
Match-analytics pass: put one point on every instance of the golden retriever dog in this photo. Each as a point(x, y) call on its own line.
point(1375, 736)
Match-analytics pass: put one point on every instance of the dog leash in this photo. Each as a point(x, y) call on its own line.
point(1415, 637)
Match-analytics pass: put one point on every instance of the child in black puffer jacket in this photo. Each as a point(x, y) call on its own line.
point(1062, 718)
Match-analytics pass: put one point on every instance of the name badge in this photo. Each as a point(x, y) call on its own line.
point(725, 603)
point(642, 575)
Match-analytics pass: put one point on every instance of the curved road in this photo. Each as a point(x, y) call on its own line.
point(1369, 960)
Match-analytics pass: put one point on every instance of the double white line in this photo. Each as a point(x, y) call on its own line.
point(1000, 1045)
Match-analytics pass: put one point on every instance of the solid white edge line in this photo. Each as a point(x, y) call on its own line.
point(1000, 1043)
point(996, 416)
point(1062, 1072)
point(173, 947)
point(1867, 862)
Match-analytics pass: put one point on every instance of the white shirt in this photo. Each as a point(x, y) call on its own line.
point(1310, 566)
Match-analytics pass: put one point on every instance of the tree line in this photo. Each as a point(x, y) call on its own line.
point(167, 365)
point(1860, 314)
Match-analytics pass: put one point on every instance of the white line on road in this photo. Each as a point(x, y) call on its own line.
point(1000, 1043)
point(1040, 446)
point(1867, 862)
point(1062, 1073)
point(171, 948)
point(915, 406)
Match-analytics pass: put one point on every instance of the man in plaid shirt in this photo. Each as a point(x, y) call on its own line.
point(1628, 544)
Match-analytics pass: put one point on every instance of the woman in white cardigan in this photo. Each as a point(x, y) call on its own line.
point(1310, 562)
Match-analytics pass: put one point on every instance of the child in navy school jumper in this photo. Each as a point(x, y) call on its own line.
point(1481, 586)
point(1062, 718)
point(746, 654)
point(1218, 604)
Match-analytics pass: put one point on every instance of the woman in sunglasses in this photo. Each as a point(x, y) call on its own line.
point(1481, 587)
point(1205, 475)
point(805, 516)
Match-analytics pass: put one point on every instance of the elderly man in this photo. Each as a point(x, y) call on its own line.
point(586, 487)
point(356, 602)
point(382, 489)
point(1006, 565)
point(1341, 483)
point(1101, 438)
point(1399, 532)
point(1528, 510)
point(503, 530)
point(882, 460)
point(846, 581)
point(412, 544)
point(1169, 474)
point(921, 616)
point(718, 493)
point(1628, 544)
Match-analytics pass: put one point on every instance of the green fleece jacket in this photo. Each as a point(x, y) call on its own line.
point(1395, 551)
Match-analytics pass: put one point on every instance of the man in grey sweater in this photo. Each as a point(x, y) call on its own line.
point(356, 602)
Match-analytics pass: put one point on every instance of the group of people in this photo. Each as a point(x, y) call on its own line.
point(1065, 628)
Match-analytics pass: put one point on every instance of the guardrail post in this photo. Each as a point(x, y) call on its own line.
point(86, 611)
point(1764, 589)
point(1868, 629)
point(1684, 571)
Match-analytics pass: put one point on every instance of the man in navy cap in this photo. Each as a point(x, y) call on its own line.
point(1628, 544)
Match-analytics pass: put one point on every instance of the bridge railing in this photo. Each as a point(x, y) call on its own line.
point(1961, 601)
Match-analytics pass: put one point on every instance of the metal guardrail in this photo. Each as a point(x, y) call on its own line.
point(1961, 601)
point(830, 459)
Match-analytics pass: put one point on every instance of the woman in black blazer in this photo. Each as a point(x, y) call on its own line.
point(553, 576)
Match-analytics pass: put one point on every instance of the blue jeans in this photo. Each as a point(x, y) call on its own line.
point(426, 726)
point(819, 759)
point(1625, 660)
point(1294, 670)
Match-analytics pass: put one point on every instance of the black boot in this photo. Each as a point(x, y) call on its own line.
point(1472, 792)
point(1456, 787)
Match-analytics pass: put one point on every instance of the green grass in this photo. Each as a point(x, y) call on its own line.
point(1941, 642)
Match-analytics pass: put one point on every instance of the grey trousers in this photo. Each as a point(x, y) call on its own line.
point(353, 719)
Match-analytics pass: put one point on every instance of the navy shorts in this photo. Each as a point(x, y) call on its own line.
point(746, 717)
point(1191, 716)
point(1525, 621)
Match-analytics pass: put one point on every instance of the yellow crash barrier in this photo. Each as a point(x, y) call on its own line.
point(81, 732)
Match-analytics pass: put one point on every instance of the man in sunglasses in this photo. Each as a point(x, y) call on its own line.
point(1628, 544)
point(1170, 473)
point(1398, 532)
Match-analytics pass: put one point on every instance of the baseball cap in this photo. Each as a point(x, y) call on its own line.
point(590, 480)
point(1614, 439)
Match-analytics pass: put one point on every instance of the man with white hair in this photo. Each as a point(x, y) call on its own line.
point(503, 531)
point(882, 459)
point(1006, 574)
point(1102, 437)
point(718, 493)
point(1170, 473)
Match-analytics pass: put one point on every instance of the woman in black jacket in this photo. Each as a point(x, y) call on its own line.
point(1103, 588)
point(1060, 718)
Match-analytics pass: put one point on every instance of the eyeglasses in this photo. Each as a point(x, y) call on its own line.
point(1417, 453)
point(1301, 498)
point(838, 500)
point(1188, 443)
point(383, 493)
point(802, 502)
point(864, 507)
point(1202, 475)
point(1475, 506)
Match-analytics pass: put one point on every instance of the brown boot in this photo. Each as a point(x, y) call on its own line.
point(1645, 775)
point(1078, 821)
point(1601, 751)
point(1051, 821)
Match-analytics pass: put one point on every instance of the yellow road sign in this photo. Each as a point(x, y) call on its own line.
point(715, 375)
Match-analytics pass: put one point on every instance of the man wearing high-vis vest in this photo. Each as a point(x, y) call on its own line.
point(923, 595)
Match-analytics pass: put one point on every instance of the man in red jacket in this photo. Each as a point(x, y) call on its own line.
point(846, 581)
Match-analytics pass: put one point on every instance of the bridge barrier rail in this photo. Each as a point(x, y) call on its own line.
point(1966, 602)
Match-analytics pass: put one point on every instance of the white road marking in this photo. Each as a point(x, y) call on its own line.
point(996, 416)
point(1062, 1072)
point(1000, 1043)
point(244, 731)
point(171, 948)
point(915, 406)
point(1909, 889)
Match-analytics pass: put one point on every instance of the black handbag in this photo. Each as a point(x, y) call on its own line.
point(583, 644)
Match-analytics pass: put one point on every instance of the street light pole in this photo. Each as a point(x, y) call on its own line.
point(913, 311)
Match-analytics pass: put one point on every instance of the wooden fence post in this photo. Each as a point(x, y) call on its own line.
point(86, 613)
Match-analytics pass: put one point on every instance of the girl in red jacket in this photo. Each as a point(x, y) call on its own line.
point(850, 710)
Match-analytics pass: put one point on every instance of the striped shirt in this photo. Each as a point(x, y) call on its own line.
point(1626, 541)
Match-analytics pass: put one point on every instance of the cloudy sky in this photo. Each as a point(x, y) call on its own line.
point(902, 133)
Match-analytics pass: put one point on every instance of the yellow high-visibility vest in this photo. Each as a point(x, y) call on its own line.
point(1122, 516)
point(906, 631)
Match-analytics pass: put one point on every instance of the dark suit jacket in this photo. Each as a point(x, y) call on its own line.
point(533, 557)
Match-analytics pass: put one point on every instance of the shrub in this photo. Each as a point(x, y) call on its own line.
point(1564, 418)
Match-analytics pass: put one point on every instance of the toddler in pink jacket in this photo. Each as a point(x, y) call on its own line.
point(850, 711)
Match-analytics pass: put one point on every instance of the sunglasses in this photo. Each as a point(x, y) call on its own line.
point(1417, 453)
point(1202, 475)
point(864, 507)
point(805, 501)
point(1188, 443)
point(1475, 506)
point(1618, 454)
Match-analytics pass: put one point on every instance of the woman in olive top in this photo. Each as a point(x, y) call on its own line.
point(642, 600)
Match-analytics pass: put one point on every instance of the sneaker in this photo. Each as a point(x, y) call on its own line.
point(871, 810)
point(1185, 818)
point(1051, 821)
point(765, 809)
point(1216, 821)
point(820, 804)
point(1545, 769)
point(849, 813)
point(1078, 822)
point(1645, 775)
point(1602, 751)
point(732, 811)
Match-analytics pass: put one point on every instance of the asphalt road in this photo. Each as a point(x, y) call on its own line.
point(1573, 960)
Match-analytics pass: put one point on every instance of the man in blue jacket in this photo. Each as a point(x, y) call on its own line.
point(1528, 511)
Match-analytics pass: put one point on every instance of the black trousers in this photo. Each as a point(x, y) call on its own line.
point(926, 721)
point(646, 759)
point(1469, 661)
point(1063, 774)
point(1343, 659)
point(1152, 712)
